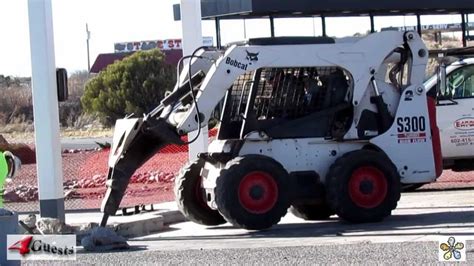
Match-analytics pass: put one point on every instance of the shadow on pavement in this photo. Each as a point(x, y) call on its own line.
point(133, 248)
point(396, 225)
point(422, 190)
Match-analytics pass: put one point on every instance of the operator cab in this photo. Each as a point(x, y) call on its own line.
point(300, 102)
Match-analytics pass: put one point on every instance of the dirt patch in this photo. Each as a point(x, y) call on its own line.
point(22, 151)
point(85, 173)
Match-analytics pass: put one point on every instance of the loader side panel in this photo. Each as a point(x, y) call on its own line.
point(302, 154)
point(436, 140)
point(409, 141)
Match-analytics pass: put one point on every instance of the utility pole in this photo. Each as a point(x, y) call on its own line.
point(45, 109)
point(88, 52)
point(192, 38)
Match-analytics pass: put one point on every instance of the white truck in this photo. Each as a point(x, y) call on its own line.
point(455, 110)
point(455, 114)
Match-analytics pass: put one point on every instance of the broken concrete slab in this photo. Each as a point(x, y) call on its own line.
point(103, 239)
point(83, 231)
point(30, 220)
point(140, 227)
point(128, 226)
point(51, 226)
point(172, 217)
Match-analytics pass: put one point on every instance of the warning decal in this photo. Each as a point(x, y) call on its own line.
point(411, 129)
point(411, 137)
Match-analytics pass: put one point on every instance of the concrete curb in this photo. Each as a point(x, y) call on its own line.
point(136, 226)
point(139, 228)
point(149, 225)
point(173, 217)
point(131, 226)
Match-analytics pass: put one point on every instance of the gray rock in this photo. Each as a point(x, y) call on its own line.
point(30, 221)
point(12, 196)
point(51, 226)
point(87, 227)
point(83, 230)
point(103, 239)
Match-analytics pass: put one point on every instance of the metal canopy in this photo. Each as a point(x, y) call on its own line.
point(245, 9)
point(231, 9)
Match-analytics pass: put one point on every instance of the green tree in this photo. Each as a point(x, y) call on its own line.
point(135, 85)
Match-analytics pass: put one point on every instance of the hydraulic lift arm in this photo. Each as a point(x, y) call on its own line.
point(137, 139)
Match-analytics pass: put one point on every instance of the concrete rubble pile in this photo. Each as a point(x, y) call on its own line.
point(91, 236)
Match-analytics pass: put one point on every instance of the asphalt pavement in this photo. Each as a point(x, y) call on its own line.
point(409, 236)
point(410, 253)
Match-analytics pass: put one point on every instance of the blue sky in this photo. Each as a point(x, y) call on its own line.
point(113, 21)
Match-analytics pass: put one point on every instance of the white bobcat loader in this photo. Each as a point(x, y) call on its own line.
point(324, 126)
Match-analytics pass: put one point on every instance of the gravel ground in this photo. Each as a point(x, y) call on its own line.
point(363, 253)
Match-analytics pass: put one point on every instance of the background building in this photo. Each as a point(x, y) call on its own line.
point(172, 48)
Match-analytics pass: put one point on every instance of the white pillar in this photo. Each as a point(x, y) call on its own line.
point(192, 39)
point(45, 108)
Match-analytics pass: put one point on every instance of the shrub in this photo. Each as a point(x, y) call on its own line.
point(135, 85)
point(15, 105)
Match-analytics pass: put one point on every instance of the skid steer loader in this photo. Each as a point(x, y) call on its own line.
point(324, 126)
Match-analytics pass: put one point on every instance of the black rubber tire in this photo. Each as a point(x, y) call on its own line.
point(229, 183)
point(191, 206)
point(337, 186)
point(312, 212)
point(411, 187)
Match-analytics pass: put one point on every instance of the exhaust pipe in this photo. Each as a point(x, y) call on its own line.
point(135, 142)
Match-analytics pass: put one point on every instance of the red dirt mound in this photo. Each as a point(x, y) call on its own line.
point(22, 151)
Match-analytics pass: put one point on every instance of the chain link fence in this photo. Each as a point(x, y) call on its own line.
point(84, 176)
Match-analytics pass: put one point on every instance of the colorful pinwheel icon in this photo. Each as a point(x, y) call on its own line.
point(452, 248)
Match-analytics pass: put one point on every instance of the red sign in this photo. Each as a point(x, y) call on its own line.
point(464, 124)
point(169, 44)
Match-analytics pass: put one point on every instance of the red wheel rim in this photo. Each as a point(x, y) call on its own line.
point(368, 187)
point(258, 192)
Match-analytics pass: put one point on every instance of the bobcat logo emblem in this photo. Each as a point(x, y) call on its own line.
point(252, 57)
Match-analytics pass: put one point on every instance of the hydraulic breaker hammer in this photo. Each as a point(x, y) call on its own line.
point(135, 141)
